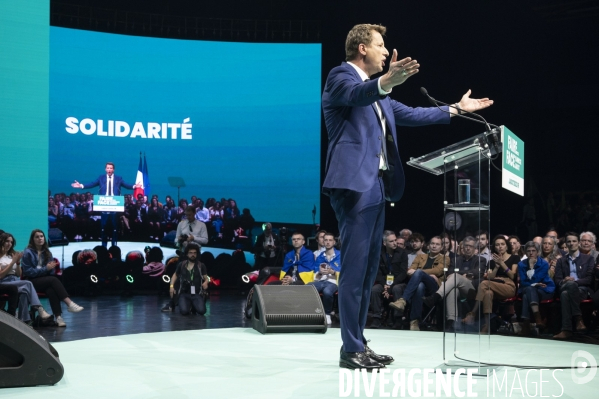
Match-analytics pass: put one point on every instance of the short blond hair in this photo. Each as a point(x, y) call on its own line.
point(360, 34)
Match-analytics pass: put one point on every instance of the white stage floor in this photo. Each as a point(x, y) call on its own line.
point(241, 363)
point(127, 247)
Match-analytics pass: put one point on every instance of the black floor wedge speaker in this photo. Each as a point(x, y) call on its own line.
point(26, 358)
point(287, 308)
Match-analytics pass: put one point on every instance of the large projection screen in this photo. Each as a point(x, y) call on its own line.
point(233, 120)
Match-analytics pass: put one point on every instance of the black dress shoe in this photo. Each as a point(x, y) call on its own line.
point(358, 360)
point(383, 359)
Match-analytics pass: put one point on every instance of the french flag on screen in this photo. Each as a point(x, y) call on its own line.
point(139, 180)
point(146, 177)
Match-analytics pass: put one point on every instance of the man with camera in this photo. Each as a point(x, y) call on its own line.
point(191, 230)
point(193, 281)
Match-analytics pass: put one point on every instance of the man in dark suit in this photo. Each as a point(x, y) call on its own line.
point(363, 169)
point(110, 184)
point(574, 279)
point(391, 278)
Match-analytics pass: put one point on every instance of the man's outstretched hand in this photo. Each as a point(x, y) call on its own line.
point(473, 104)
point(399, 71)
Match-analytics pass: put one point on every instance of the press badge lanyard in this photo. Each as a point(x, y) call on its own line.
point(193, 287)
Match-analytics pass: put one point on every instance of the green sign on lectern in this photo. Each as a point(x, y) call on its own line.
point(513, 162)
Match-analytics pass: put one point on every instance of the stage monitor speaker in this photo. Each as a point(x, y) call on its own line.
point(287, 308)
point(26, 358)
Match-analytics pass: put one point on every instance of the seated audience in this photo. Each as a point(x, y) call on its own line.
point(391, 279)
point(550, 253)
point(401, 243)
point(482, 239)
point(325, 279)
point(191, 230)
point(500, 283)
point(535, 285)
point(298, 265)
point(574, 279)
point(12, 291)
point(202, 213)
point(155, 215)
point(181, 209)
point(462, 281)
point(39, 268)
point(416, 241)
point(425, 276)
point(154, 266)
point(216, 216)
point(516, 246)
point(246, 222)
point(267, 248)
point(587, 244)
point(193, 282)
point(10, 274)
point(319, 243)
point(405, 234)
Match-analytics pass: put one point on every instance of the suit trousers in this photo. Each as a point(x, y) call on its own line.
point(570, 296)
point(112, 217)
point(361, 218)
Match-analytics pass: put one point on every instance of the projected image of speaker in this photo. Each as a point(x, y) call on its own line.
point(287, 308)
point(26, 359)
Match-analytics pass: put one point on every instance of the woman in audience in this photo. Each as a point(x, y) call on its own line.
point(500, 283)
point(550, 253)
point(216, 216)
point(535, 285)
point(210, 202)
point(10, 273)
point(52, 210)
point(155, 217)
point(561, 245)
point(39, 268)
point(154, 266)
point(81, 218)
point(181, 209)
point(516, 246)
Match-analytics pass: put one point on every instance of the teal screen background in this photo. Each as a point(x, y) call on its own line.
point(24, 77)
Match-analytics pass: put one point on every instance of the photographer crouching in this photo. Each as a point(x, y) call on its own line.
point(193, 282)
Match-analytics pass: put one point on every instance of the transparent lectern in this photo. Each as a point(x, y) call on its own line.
point(465, 167)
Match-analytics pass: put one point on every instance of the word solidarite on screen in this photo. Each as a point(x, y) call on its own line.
point(152, 130)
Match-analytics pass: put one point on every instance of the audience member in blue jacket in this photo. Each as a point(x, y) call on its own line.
point(535, 285)
point(298, 266)
point(326, 269)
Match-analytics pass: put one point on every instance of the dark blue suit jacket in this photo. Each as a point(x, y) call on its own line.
point(354, 131)
point(101, 181)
